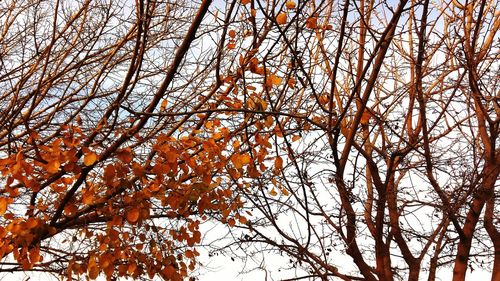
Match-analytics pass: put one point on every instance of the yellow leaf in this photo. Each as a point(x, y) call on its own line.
point(281, 18)
point(133, 215)
point(89, 158)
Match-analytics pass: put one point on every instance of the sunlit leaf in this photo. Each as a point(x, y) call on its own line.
point(291, 4)
point(53, 166)
point(89, 158)
point(273, 192)
point(281, 18)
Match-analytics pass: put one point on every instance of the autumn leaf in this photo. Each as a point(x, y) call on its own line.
point(53, 166)
point(125, 155)
point(240, 160)
point(89, 158)
point(4, 202)
point(312, 23)
point(284, 191)
point(281, 18)
point(93, 271)
point(242, 220)
point(244, 2)
point(273, 192)
point(87, 197)
point(365, 118)
point(290, 5)
point(133, 215)
point(272, 80)
point(278, 163)
point(163, 104)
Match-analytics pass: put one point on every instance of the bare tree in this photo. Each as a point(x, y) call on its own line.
point(364, 130)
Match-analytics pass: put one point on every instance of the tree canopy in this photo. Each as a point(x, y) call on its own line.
point(316, 130)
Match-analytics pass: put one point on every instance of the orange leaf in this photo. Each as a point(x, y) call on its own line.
point(89, 158)
point(232, 33)
point(281, 18)
point(4, 202)
point(273, 192)
point(278, 163)
point(125, 155)
point(236, 159)
point(244, 2)
point(290, 5)
point(133, 215)
point(285, 191)
point(88, 198)
point(273, 80)
point(243, 220)
point(53, 166)
point(245, 159)
point(163, 104)
point(312, 22)
point(365, 118)
point(93, 271)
